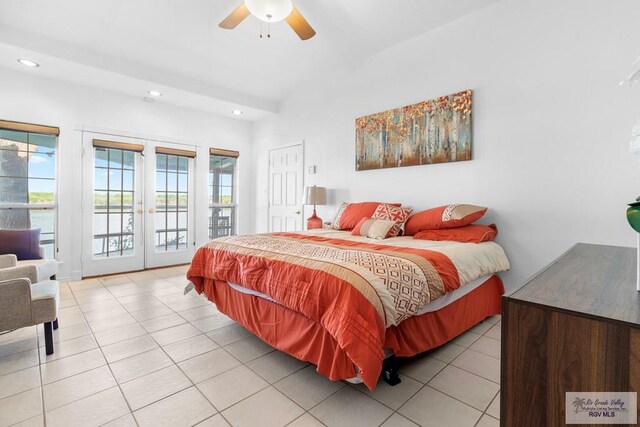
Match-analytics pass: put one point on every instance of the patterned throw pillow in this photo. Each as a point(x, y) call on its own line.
point(373, 228)
point(336, 220)
point(393, 213)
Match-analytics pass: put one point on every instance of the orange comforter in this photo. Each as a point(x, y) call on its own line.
point(354, 290)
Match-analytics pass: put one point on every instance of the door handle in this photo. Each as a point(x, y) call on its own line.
point(297, 212)
point(139, 211)
point(151, 210)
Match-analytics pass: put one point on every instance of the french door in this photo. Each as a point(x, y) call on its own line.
point(138, 205)
point(169, 230)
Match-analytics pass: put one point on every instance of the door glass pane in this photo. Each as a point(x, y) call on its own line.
point(172, 163)
point(182, 240)
point(127, 180)
point(102, 157)
point(100, 201)
point(183, 200)
point(172, 175)
point(161, 200)
point(100, 182)
point(182, 182)
point(129, 157)
point(182, 220)
point(172, 181)
point(161, 162)
point(127, 244)
point(115, 179)
point(171, 200)
point(115, 201)
point(113, 219)
point(127, 201)
point(161, 182)
point(127, 222)
point(115, 159)
point(100, 224)
point(183, 163)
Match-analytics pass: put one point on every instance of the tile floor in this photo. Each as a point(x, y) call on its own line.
point(133, 350)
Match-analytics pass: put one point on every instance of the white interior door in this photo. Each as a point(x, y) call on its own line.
point(286, 175)
point(170, 204)
point(112, 205)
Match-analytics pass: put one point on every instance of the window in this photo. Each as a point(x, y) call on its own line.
point(28, 179)
point(222, 192)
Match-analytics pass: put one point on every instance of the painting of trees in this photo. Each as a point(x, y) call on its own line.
point(434, 131)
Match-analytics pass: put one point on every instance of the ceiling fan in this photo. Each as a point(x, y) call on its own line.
point(270, 11)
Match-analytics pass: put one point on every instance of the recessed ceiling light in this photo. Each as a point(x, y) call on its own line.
point(236, 112)
point(28, 63)
point(154, 93)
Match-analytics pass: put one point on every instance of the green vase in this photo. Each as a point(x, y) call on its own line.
point(633, 215)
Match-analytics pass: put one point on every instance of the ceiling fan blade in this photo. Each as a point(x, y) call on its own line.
point(235, 17)
point(300, 25)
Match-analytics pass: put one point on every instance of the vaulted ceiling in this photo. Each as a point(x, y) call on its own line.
point(132, 46)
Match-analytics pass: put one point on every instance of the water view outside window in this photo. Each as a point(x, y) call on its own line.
point(113, 200)
point(172, 202)
point(222, 190)
point(28, 184)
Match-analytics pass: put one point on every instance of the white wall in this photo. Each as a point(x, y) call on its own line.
point(551, 124)
point(25, 97)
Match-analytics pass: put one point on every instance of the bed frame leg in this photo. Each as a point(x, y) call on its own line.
point(390, 371)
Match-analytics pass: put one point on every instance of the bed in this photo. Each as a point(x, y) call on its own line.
point(345, 302)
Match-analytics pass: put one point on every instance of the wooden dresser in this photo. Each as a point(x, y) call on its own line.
point(574, 327)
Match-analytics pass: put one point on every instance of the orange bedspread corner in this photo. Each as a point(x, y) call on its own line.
point(344, 313)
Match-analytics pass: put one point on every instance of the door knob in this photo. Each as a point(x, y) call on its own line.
point(297, 212)
point(140, 211)
point(152, 210)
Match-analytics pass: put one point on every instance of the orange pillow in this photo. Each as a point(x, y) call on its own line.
point(449, 216)
point(476, 233)
point(349, 215)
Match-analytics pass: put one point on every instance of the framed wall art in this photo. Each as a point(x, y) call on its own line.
point(434, 131)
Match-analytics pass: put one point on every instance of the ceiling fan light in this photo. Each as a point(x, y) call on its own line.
point(28, 63)
point(270, 10)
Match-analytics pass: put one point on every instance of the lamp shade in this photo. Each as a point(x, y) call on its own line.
point(270, 10)
point(315, 196)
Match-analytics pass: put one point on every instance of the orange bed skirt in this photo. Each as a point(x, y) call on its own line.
point(307, 340)
point(421, 333)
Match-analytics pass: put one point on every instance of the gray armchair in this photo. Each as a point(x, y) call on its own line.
point(7, 261)
point(23, 302)
point(46, 268)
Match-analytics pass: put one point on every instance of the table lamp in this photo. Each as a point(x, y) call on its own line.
point(315, 196)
